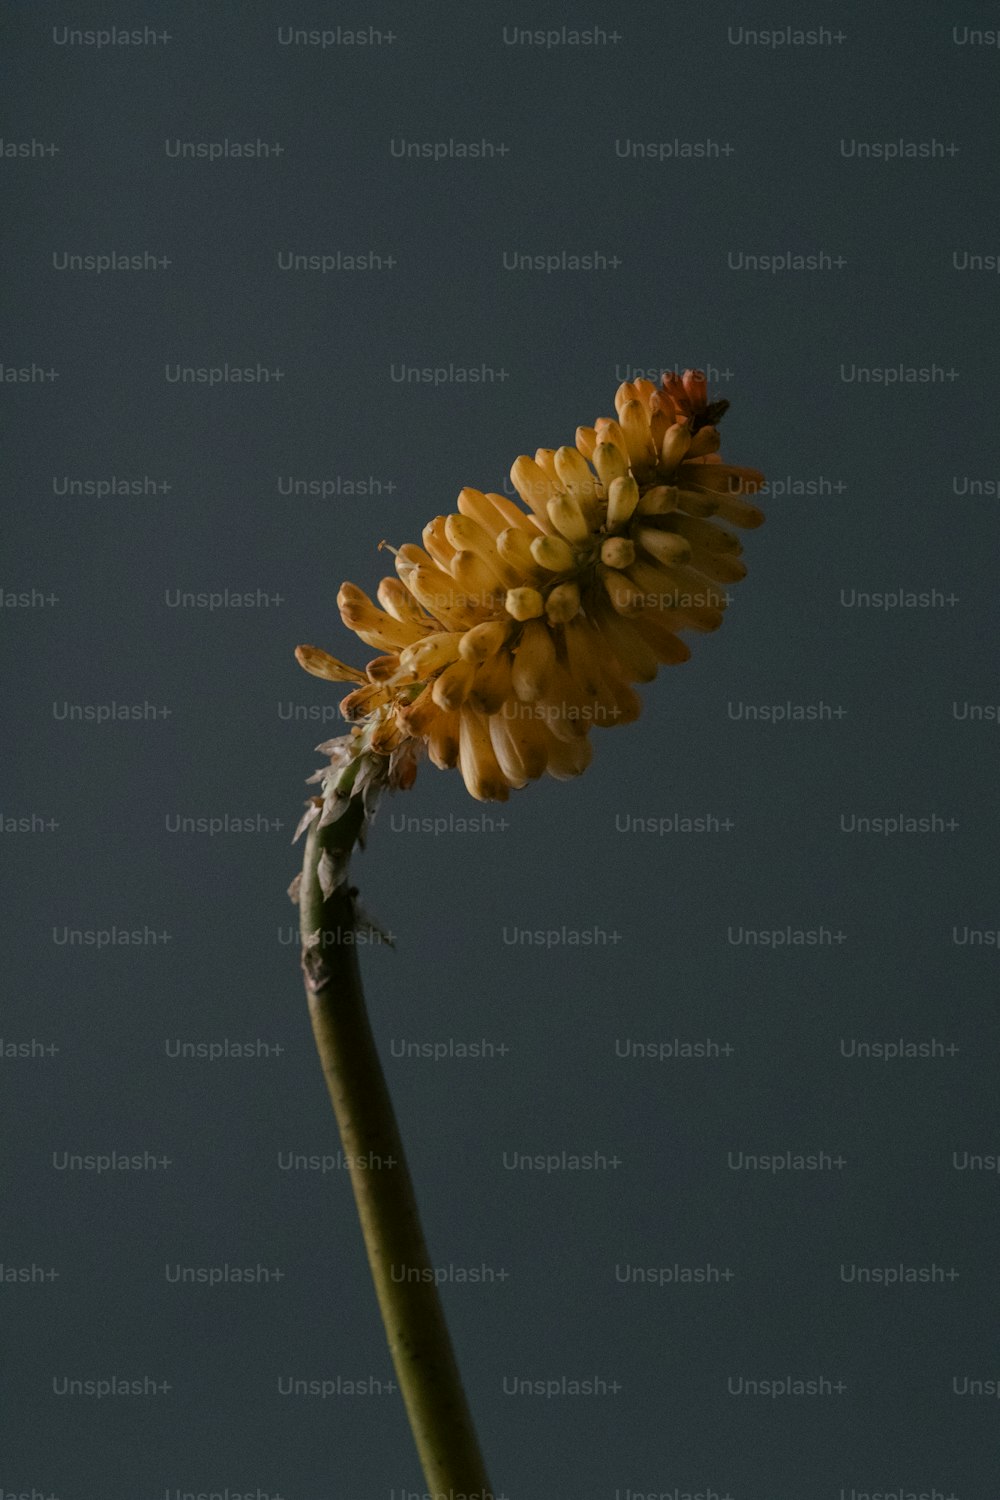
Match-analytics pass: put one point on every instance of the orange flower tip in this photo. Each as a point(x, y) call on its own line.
point(532, 483)
point(563, 603)
point(524, 603)
point(349, 594)
point(320, 664)
point(695, 387)
point(451, 688)
point(620, 590)
point(388, 547)
point(626, 392)
point(488, 791)
point(568, 519)
point(610, 463)
point(586, 441)
point(383, 669)
point(660, 499)
point(553, 553)
point(623, 497)
point(665, 546)
point(618, 552)
point(573, 470)
point(482, 641)
point(706, 440)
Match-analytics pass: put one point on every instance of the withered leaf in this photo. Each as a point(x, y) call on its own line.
point(330, 873)
point(312, 811)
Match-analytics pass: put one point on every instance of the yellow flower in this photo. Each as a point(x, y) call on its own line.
point(515, 629)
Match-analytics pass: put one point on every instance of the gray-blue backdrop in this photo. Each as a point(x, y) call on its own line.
point(713, 1189)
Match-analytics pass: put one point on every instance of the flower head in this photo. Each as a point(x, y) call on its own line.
point(516, 629)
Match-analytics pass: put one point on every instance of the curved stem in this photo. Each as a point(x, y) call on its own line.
point(383, 1191)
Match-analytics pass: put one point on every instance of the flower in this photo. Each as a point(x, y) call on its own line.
point(516, 629)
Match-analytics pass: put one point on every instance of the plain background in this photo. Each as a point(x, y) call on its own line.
point(875, 479)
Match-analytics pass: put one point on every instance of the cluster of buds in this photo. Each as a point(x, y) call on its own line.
point(516, 629)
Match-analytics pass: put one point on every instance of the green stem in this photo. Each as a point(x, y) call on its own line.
point(383, 1191)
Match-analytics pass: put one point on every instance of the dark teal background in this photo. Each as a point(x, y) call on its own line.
point(892, 464)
